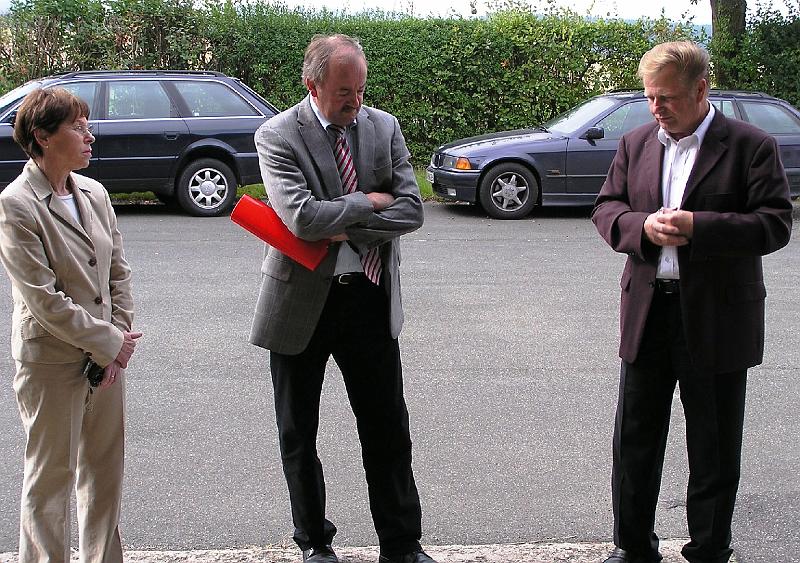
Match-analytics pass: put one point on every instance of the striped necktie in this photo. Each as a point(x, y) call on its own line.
point(371, 260)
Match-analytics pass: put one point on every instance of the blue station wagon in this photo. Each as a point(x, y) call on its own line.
point(186, 136)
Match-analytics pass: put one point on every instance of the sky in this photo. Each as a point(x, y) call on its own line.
point(626, 9)
point(629, 9)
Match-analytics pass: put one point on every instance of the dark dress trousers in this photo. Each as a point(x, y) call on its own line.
point(702, 337)
point(304, 318)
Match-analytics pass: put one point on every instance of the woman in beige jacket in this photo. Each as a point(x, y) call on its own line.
point(62, 250)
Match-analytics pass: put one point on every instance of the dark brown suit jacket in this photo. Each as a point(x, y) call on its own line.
point(739, 195)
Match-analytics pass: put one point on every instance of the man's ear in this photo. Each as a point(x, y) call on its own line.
point(312, 87)
point(702, 89)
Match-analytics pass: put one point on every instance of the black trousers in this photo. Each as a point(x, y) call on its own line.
point(354, 329)
point(713, 407)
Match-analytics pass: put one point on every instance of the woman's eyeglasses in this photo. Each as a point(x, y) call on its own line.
point(83, 130)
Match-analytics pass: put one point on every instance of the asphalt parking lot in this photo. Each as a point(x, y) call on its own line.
point(511, 378)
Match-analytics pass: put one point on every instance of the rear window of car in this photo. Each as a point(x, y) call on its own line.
point(85, 91)
point(139, 99)
point(725, 106)
point(772, 118)
point(212, 99)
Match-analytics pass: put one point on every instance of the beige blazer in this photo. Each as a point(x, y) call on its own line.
point(70, 282)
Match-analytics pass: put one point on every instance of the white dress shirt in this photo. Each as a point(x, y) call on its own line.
point(679, 159)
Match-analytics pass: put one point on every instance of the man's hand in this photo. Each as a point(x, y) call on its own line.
point(669, 227)
point(128, 346)
point(380, 200)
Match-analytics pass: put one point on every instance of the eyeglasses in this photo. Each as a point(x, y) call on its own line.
point(83, 131)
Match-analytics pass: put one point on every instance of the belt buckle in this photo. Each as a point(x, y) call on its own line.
point(668, 286)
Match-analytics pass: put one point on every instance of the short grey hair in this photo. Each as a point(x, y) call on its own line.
point(321, 49)
point(689, 58)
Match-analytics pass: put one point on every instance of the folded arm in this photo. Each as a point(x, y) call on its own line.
point(305, 215)
point(405, 213)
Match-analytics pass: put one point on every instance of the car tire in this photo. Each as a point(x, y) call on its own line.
point(508, 191)
point(206, 188)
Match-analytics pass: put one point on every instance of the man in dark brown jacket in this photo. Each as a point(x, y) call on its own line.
point(694, 199)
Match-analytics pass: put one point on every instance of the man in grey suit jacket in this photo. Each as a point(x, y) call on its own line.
point(335, 169)
point(694, 199)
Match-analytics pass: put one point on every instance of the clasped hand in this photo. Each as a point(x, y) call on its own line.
point(128, 346)
point(114, 369)
point(669, 227)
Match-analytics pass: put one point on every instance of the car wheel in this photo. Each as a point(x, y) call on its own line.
point(206, 188)
point(508, 191)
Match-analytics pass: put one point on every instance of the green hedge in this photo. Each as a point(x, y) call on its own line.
point(443, 78)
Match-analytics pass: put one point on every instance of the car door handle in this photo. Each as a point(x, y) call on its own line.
point(171, 135)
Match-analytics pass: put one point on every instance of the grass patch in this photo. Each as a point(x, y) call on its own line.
point(257, 191)
point(134, 197)
point(425, 188)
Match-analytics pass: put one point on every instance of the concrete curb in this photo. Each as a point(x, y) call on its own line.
point(543, 552)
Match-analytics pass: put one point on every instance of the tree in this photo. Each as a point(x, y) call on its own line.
point(728, 30)
point(727, 35)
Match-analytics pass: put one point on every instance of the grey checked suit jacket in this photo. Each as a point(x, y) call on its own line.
point(305, 190)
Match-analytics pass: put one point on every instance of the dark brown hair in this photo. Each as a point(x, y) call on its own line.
point(45, 110)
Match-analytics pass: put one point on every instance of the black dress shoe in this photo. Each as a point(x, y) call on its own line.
point(323, 554)
point(413, 557)
point(619, 555)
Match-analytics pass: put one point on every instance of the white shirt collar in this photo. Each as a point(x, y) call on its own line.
point(699, 133)
point(322, 120)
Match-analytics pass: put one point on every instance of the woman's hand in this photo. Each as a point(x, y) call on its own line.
point(128, 346)
point(110, 374)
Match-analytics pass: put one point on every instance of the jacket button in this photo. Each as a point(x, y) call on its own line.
point(92, 261)
point(98, 300)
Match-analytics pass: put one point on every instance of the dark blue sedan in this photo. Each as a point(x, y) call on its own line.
point(565, 161)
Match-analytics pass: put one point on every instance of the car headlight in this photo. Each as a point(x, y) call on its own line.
point(456, 162)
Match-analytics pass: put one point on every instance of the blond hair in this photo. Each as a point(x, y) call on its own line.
point(689, 58)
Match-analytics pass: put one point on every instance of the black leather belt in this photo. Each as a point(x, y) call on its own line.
point(668, 286)
point(349, 278)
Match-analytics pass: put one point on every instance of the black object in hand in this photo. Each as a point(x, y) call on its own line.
point(94, 373)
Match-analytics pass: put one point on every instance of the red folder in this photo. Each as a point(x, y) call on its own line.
point(261, 220)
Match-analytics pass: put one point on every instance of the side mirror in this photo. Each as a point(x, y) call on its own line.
point(593, 133)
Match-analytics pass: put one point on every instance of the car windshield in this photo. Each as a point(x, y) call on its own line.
point(570, 121)
point(10, 98)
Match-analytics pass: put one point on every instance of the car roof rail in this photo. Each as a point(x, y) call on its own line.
point(715, 91)
point(142, 72)
point(739, 93)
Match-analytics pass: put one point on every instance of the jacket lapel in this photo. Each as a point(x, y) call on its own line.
point(365, 134)
point(84, 206)
point(651, 167)
point(43, 190)
point(710, 152)
point(319, 150)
